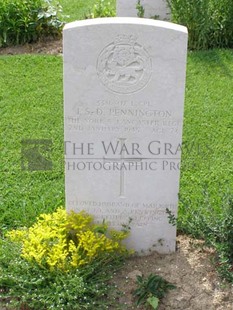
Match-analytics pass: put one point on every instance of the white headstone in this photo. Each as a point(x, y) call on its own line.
point(159, 8)
point(124, 81)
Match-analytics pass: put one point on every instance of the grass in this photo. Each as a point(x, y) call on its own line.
point(32, 108)
point(77, 9)
point(206, 177)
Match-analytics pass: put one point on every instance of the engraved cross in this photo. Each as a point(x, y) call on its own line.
point(122, 160)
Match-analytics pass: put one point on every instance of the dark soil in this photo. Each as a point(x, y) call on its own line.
point(52, 47)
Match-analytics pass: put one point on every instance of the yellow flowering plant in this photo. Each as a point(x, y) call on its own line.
point(64, 240)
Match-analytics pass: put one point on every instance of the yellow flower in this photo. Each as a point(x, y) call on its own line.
point(17, 235)
point(64, 241)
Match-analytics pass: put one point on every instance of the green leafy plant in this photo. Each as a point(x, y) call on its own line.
point(151, 289)
point(140, 9)
point(209, 22)
point(61, 262)
point(221, 237)
point(102, 8)
point(215, 226)
point(28, 21)
point(153, 302)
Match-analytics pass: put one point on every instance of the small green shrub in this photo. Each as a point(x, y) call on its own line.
point(209, 22)
point(62, 262)
point(215, 225)
point(101, 8)
point(151, 289)
point(24, 283)
point(28, 21)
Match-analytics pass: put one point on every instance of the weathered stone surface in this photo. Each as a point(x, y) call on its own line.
point(124, 81)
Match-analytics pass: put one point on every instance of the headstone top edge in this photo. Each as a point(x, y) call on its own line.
point(125, 21)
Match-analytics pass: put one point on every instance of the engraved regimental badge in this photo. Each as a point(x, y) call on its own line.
point(124, 66)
